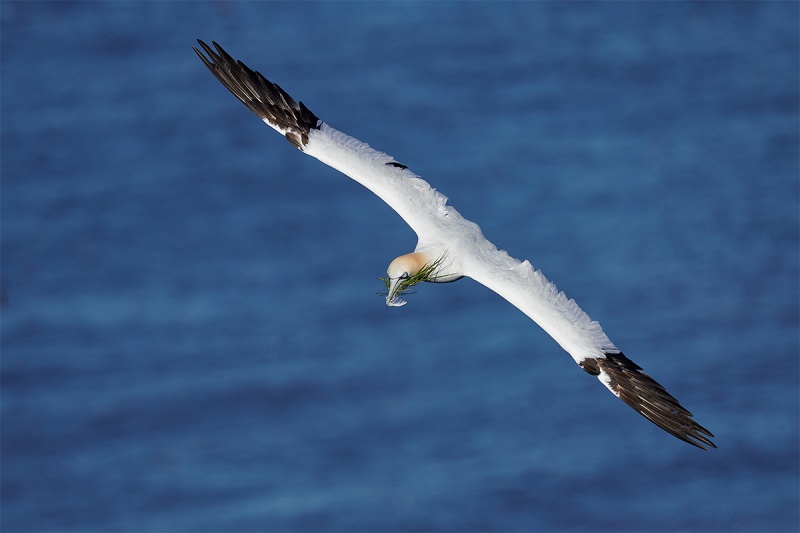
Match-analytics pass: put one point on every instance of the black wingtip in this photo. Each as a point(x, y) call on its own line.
point(648, 398)
point(264, 98)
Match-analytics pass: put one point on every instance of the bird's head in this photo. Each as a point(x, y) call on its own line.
point(405, 272)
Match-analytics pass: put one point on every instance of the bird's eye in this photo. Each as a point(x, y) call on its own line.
point(404, 276)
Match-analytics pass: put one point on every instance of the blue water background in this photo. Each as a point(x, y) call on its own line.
point(191, 338)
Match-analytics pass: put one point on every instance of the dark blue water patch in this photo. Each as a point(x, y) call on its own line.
point(191, 337)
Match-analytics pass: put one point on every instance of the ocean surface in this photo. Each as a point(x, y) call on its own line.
point(191, 336)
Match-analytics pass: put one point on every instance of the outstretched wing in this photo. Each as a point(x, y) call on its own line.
point(425, 210)
point(405, 192)
point(584, 339)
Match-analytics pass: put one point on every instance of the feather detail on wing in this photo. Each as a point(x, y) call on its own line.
point(533, 294)
point(625, 379)
point(264, 98)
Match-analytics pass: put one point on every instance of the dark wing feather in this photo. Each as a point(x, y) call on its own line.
point(261, 96)
point(648, 398)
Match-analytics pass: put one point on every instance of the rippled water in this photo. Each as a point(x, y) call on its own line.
point(191, 338)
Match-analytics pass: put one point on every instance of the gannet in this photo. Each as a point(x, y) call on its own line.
point(450, 247)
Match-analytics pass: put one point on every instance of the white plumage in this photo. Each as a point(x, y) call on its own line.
point(451, 247)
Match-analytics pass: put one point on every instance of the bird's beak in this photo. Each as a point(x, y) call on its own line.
point(391, 299)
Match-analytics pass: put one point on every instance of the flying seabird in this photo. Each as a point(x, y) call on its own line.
point(451, 247)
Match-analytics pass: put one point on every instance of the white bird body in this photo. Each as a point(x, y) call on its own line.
point(443, 232)
point(452, 247)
